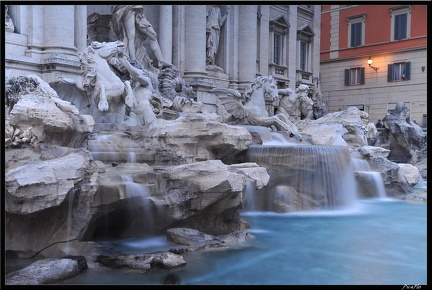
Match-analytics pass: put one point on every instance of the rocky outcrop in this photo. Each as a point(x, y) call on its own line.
point(407, 139)
point(188, 139)
point(345, 128)
point(27, 192)
point(37, 115)
point(143, 263)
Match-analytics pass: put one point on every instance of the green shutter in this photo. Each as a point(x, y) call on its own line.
point(389, 73)
point(362, 75)
point(347, 77)
point(408, 70)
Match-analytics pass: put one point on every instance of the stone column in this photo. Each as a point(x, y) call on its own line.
point(33, 25)
point(292, 53)
point(165, 31)
point(263, 41)
point(80, 36)
point(316, 42)
point(195, 40)
point(51, 48)
point(59, 26)
point(247, 43)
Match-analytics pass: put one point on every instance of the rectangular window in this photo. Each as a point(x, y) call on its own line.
point(354, 76)
point(399, 71)
point(400, 26)
point(303, 55)
point(356, 34)
point(277, 49)
point(356, 30)
point(400, 22)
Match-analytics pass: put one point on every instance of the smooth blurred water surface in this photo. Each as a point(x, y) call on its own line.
point(378, 242)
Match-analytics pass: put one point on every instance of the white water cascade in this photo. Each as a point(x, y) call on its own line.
point(143, 202)
point(304, 177)
point(373, 179)
point(421, 184)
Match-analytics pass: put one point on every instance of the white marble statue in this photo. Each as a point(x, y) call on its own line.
point(296, 105)
point(139, 98)
point(288, 104)
point(9, 26)
point(103, 91)
point(305, 103)
point(215, 21)
point(250, 108)
point(132, 28)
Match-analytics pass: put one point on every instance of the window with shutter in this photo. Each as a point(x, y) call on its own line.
point(399, 72)
point(354, 76)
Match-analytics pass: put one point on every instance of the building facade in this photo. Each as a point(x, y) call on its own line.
point(373, 56)
point(278, 40)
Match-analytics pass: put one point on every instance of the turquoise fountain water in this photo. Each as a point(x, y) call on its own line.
point(379, 242)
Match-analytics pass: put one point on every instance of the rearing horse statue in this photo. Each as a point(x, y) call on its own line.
point(250, 108)
point(100, 92)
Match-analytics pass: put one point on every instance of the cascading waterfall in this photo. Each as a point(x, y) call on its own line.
point(69, 217)
point(131, 157)
point(374, 178)
point(304, 177)
point(114, 147)
point(147, 209)
point(421, 184)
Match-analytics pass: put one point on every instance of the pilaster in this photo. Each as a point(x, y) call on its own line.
point(165, 31)
point(247, 35)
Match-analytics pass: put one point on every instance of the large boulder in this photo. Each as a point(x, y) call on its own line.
point(27, 192)
point(408, 173)
point(40, 196)
point(46, 271)
point(207, 195)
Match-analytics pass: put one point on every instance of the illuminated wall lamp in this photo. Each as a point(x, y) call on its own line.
point(370, 64)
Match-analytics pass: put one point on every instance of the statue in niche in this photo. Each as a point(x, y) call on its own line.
point(215, 21)
point(132, 28)
point(9, 26)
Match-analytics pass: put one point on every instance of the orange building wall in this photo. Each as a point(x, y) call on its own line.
point(377, 30)
point(325, 32)
point(419, 21)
